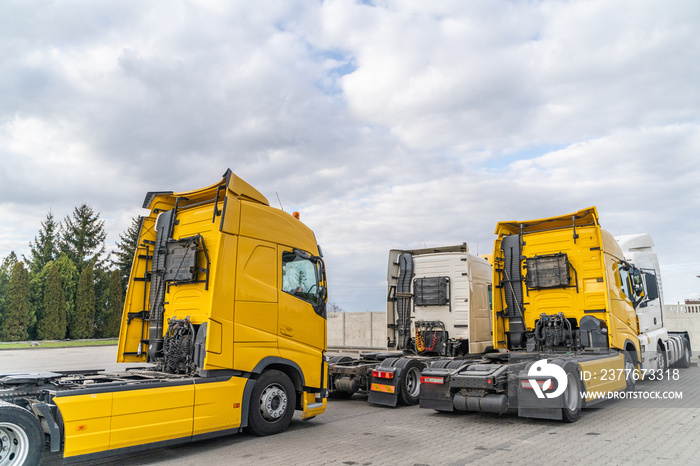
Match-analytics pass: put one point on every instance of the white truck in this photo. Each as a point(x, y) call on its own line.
point(660, 348)
point(437, 307)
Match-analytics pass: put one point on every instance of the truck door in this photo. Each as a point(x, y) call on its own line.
point(622, 302)
point(302, 311)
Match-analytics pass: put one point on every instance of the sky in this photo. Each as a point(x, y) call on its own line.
point(387, 124)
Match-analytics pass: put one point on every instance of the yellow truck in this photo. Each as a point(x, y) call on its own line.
point(565, 320)
point(227, 300)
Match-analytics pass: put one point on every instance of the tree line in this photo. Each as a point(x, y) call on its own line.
point(68, 287)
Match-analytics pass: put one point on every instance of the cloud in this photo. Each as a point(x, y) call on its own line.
point(388, 124)
point(502, 75)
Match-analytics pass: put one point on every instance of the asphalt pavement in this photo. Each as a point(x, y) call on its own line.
point(647, 430)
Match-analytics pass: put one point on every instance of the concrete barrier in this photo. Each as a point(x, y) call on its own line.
point(684, 317)
point(364, 330)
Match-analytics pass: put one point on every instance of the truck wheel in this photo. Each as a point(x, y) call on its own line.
point(661, 361)
point(21, 437)
point(272, 403)
point(684, 361)
point(630, 375)
point(573, 401)
point(410, 383)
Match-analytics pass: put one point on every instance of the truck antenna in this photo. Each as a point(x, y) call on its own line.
point(278, 200)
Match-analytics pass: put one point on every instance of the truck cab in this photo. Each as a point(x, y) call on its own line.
point(660, 348)
point(556, 275)
point(438, 301)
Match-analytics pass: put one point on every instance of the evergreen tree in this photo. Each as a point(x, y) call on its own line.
point(44, 249)
point(15, 322)
point(36, 299)
point(115, 304)
point(83, 325)
point(6, 267)
point(51, 321)
point(126, 248)
point(69, 282)
point(102, 280)
point(83, 237)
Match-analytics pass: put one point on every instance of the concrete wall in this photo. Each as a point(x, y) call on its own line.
point(680, 317)
point(357, 330)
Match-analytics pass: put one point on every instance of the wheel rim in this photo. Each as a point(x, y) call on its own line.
point(273, 402)
point(413, 382)
point(572, 395)
point(14, 444)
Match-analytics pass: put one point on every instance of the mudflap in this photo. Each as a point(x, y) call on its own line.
point(385, 384)
point(383, 398)
point(385, 392)
point(437, 397)
point(529, 405)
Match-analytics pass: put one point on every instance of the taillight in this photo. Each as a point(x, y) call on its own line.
point(434, 380)
point(382, 374)
point(544, 384)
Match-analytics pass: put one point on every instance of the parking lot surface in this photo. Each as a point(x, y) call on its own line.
point(352, 432)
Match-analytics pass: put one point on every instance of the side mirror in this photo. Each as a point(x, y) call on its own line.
point(637, 283)
point(652, 286)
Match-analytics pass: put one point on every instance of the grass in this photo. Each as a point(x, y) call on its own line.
point(56, 343)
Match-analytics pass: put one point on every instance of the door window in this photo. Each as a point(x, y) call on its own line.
point(301, 277)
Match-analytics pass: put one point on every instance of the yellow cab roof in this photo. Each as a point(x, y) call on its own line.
point(235, 184)
point(584, 217)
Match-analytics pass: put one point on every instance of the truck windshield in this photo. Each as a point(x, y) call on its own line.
point(301, 277)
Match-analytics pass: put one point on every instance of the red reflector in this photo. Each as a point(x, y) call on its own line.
point(488, 381)
point(382, 374)
point(435, 380)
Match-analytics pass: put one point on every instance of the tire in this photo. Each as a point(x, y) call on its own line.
point(440, 364)
point(272, 403)
point(573, 401)
point(409, 384)
point(339, 359)
point(21, 436)
point(684, 361)
point(661, 359)
point(629, 373)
